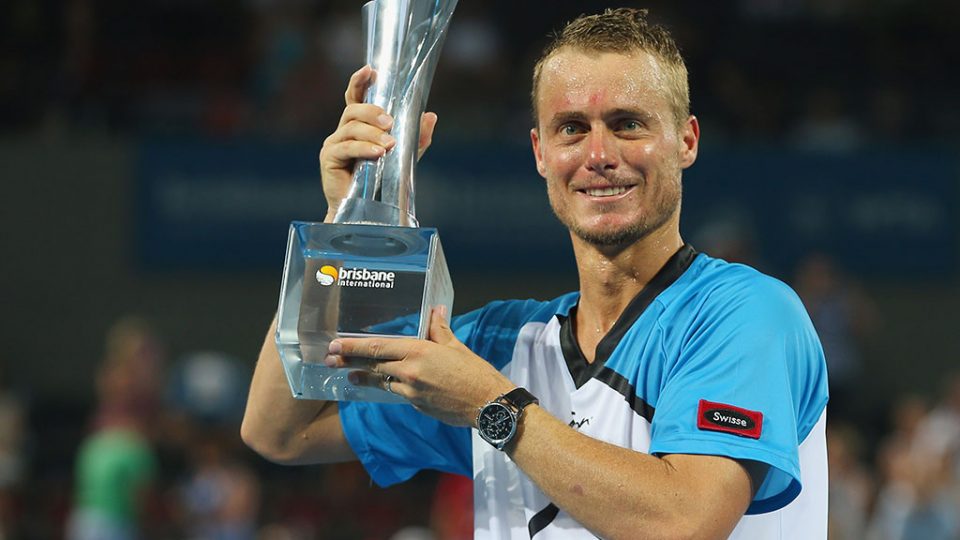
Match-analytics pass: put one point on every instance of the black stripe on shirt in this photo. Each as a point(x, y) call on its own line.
point(541, 519)
point(623, 387)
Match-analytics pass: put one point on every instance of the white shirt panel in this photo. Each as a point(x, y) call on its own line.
point(806, 516)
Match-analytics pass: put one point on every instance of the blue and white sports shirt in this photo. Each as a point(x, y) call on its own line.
point(710, 358)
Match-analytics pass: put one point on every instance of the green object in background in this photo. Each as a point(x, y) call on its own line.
point(113, 468)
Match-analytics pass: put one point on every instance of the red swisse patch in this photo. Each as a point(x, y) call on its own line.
point(729, 419)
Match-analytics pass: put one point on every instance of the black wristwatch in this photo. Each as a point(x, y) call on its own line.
point(497, 421)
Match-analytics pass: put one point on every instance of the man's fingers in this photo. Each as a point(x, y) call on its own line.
point(428, 122)
point(356, 130)
point(355, 140)
point(440, 331)
point(366, 113)
point(375, 380)
point(354, 362)
point(382, 349)
point(345, 152)
point(359, 81)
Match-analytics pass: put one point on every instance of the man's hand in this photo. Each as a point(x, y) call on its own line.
point(363, 133)
point(440, 376)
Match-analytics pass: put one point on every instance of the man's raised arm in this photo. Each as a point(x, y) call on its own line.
point(275, 424)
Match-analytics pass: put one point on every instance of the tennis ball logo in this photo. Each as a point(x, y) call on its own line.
point(327, 275)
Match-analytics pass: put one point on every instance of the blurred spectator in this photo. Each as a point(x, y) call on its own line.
point(916, 498)
point(843, 315)
point(220, 500)
point(851, 487)
point(893, 462)
point(939, 434)
point(219, 496)
point(916, 503)
point(116, 463)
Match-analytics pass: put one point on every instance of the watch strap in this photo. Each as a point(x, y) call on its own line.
point(519, 398)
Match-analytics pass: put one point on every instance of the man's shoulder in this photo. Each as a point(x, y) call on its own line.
point(721, 281)
point(714, 289)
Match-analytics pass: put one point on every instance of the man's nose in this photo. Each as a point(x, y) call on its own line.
point(602, 151)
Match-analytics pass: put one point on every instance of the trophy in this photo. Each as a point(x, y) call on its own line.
point(373, 271)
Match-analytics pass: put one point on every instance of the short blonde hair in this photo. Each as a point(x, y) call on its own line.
point(623, 30)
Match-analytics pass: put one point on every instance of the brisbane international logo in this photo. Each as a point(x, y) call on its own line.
point(327, 275)
point(355, 277)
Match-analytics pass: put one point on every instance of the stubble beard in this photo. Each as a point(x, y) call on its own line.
point(666, 206)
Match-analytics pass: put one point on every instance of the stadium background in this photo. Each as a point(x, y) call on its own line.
point(152, 154)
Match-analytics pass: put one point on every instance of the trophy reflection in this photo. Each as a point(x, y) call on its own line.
point(373, 271)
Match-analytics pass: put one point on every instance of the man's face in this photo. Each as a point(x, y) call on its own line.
point(608, 145)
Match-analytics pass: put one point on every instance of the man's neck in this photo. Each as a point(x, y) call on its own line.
point(611, 278)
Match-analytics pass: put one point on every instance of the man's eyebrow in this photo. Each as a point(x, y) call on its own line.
point(620, 113)
point(563, 117)
point(567, 116)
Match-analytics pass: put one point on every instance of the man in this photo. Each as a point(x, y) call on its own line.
point(672, 395)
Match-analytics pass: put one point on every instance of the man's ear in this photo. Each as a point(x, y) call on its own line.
point(538, 151)
point(690, 141)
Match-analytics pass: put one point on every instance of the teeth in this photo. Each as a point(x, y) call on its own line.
point(606, 192)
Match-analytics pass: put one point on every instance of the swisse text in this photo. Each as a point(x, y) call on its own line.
point(729, 418)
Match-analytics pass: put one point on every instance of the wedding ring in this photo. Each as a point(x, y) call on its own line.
point(387, 381)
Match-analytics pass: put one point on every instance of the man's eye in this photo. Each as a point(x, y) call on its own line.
point(569, 129)
point(630, 125)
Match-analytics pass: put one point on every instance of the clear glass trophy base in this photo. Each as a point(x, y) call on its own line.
point(354, 281)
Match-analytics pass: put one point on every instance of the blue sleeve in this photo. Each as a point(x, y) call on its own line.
point(752, 347)
point(393, 442)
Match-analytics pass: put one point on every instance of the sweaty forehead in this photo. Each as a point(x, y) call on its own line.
point(572, 78)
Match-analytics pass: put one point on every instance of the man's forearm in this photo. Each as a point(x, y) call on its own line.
point(619, 493)
point(284, 429)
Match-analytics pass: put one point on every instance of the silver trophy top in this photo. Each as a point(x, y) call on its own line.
point(403, 41)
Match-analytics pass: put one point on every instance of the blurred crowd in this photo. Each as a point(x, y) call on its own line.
point(911, 490)
point(818, 73)
point(157, 450)
point(159, 457)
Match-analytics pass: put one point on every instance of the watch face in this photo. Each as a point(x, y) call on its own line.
point(496, 422)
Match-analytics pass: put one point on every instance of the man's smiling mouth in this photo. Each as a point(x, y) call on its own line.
point(610, 191)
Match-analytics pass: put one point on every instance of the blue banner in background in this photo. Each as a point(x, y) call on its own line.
point(226, 206)
point(217, 205)
point(877, 213)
